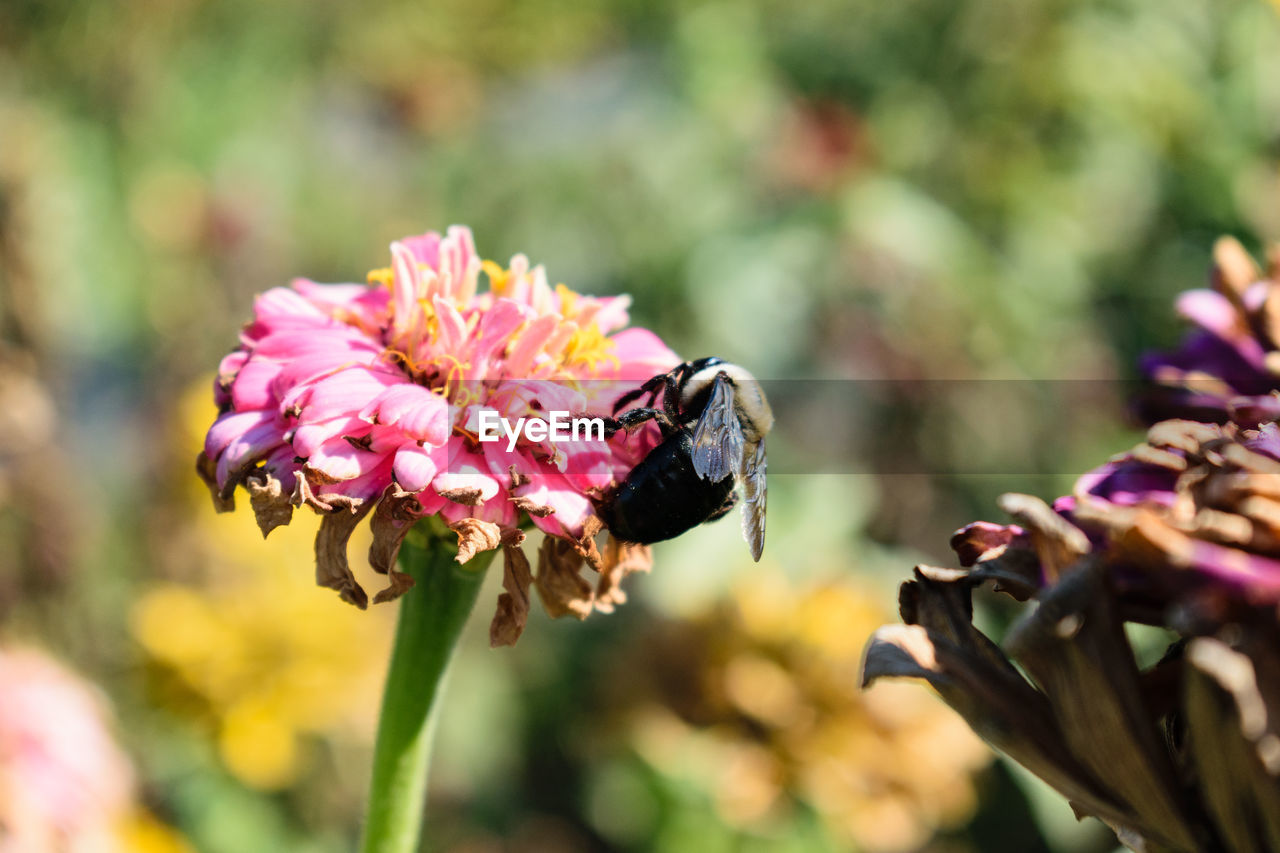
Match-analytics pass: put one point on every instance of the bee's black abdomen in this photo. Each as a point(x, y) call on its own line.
point(664, 496)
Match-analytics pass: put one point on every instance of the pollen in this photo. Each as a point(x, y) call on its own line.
point(589, 347)
point(383, 276)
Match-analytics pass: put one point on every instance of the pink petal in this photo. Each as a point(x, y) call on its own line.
point(227, 428)
point(406, 285)
point(308, 438)
point(253, 386)
point(496, 327)
point(613, 313)
point(413, 468)
point(338, 459)
point(641, 354)
point(419, 413)
point(519, 362)
point(452, 329)
point(425, 248)
point(1210, 310)
point(343, 393)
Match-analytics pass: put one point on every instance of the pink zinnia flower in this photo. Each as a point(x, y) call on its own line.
point(358, 398)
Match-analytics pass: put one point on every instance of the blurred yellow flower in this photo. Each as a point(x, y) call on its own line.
point(273, 658)
point(142, 833)
point(758, 700)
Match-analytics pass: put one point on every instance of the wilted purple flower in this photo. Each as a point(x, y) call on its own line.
point(1182, 532)
point(1228, 368)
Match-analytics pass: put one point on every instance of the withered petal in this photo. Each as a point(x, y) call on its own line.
point(1233, 741)
point(586, 544)
point(1003, 709)
point(475, 536)
point(535, 509)
point(563, 591)
point(1057, 541)
point(1181, 434)
point(400, 583)
point(465, 495)
point(272, 507)
point(619, 560)
point(513, 604)
point(1075, 648)
point(332, 568)
point(391, 522)
point(1233, 270)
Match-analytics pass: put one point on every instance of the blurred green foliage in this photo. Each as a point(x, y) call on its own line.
point(985, 189)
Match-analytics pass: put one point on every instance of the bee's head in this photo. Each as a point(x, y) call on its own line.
point(749, 401)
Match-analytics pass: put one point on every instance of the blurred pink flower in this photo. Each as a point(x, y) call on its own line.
point(356, 398)
point(64, 784)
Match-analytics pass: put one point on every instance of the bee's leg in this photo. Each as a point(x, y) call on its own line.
point(635, 417)
point(631, 396)
point(724, 508)
point(650, 387)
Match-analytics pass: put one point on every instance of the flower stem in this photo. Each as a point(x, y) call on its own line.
point(432, 614)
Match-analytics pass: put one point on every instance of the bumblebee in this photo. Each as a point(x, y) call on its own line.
point(714, 419)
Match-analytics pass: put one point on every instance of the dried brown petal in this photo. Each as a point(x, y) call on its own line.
point(998, 704)
point(400, 583)
point(1075, 648)
point(391, 522)
point(537, 510)
point(1233, 270)
point(518, 478)
point(271, 506)
point(1159, 457)
point(1233, 741)
point(1058, 542)
point(513, 605)
point(1184, 435)
point(475, 536)
point(465, 495)
point(1250, 460)
point(586, 544)
point(1224, 488)
point(620, 559)
point(332, 568)
point(563, 591)
point(1268, 317)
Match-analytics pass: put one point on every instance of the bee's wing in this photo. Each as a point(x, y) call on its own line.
point(718, 441)
point(753, 500)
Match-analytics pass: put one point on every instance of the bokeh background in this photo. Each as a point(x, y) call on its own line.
point(927, 193)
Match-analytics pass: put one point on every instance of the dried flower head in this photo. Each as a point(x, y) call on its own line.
point(363, 401)
point(1229, 367)
point(1183, 533)
point(757, 699)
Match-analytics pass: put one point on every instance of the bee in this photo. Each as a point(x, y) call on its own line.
point(714, 418)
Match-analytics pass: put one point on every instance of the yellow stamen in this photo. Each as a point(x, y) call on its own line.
point(589, 346)
point(499, 278)
point(384, 276)
point(567, 300)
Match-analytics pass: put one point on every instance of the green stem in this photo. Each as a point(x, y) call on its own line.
point(432, 614)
